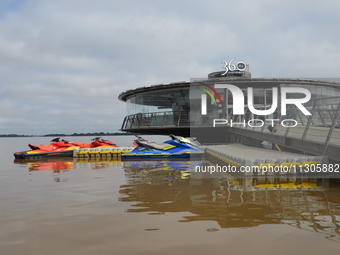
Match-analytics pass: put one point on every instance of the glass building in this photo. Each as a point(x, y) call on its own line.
point(176, 108)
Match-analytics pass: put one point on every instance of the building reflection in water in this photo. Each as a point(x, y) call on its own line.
point(310, 204)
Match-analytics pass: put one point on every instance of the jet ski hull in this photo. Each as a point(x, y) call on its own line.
point(175, 148)
point(40, 155)
point(160, 156)
point(60, 148)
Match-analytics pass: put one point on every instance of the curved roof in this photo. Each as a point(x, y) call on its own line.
point(246, 82)
point(158, 87)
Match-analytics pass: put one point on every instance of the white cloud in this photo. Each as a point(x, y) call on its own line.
point(64, 63)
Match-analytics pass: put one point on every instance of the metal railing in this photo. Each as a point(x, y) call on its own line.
point(322, 126)
point(156, 119)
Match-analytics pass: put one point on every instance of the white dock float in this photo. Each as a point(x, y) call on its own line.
point(240, 155)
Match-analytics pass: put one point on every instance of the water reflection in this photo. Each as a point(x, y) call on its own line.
point(60, 165)
point(310, 204)
point(55, 165)
point(160, 187)
point(165, 172)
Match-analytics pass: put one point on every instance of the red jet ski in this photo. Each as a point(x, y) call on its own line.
point(60, 148)
point(101, 143)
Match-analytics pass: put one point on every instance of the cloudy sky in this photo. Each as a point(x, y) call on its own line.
point(63, 63)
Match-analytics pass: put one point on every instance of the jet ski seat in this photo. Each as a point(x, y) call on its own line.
point(153, 145)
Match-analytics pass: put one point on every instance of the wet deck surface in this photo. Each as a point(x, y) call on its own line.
point(246, 155)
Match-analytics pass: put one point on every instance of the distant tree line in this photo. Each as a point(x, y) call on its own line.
point(74, 134)
point(14, 135)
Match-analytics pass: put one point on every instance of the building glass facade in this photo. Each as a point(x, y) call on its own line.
point(181, 104)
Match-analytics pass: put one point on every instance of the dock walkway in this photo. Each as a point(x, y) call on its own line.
point(241, 155)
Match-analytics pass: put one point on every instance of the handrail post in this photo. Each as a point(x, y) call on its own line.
point(334, 121)
point(309, 121)
point(123, 124)
point(321, 117)
point(179, 118)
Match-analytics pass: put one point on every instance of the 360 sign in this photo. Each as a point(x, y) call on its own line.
point(240, 66)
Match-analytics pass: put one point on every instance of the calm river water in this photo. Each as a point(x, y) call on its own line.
point(71, 206)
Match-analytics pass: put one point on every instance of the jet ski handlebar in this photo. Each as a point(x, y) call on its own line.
point(55, 140)
point(140, 138)
point(173, 137)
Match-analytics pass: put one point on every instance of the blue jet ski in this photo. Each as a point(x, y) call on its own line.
point(178, 147)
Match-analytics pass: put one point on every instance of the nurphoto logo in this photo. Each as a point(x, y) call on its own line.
point(238, 103)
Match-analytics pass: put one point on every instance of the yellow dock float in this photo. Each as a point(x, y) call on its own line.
point(101, 152)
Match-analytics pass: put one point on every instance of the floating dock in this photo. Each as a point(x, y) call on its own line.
point(239, 155)
point(236, 155)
